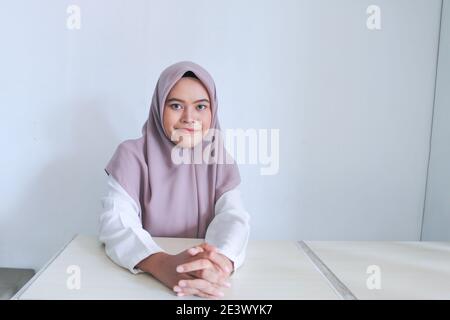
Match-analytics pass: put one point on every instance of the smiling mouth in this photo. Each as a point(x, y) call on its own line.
point(188, 130)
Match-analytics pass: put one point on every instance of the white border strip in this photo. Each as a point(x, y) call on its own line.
point(340, 288)
point(38, 274)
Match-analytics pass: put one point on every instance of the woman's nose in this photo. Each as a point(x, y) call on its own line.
point(188, 116)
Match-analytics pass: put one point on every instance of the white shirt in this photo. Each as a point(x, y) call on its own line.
point(127, 242)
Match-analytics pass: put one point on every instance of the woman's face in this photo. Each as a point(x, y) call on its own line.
point(187, 112)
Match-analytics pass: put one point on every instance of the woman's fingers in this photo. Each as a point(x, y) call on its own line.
point(216, 260)
point(208, 247)
point(221, 261)
point(202, 248)
point(206, 269)
point(186, 291)
point(195, 250)
point(210, 265)
point(213, 254)
point(212, 275)
point(200, 285)
point(180, 292)
point(194, 265)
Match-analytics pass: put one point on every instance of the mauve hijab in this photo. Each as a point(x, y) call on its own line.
point(176, 200)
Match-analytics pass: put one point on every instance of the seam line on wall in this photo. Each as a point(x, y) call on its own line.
point(432, 122)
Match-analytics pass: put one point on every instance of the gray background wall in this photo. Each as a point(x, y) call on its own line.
point(353, 105)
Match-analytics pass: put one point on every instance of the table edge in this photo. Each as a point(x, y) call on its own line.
point(38, 274)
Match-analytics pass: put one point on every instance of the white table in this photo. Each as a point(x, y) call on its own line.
point(406, 270)
point(272, 270)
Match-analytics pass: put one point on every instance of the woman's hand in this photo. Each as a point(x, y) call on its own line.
point(163, 267)
point(211, 253)
point(205, 264)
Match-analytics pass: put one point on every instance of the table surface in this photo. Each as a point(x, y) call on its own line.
point(406, 270)
point(272, 270)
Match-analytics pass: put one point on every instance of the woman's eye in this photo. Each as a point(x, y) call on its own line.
point(175, 106)
point(201, 107)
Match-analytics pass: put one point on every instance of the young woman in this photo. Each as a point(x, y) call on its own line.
point(150, 194)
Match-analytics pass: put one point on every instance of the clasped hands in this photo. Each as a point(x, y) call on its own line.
point(200, 271)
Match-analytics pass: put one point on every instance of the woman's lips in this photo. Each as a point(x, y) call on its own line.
point(188, 130)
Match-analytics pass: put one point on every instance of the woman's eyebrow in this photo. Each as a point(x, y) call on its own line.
point(180, 100)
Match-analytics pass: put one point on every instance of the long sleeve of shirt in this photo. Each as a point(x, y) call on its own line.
point(229, 231)
point(127, 242)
